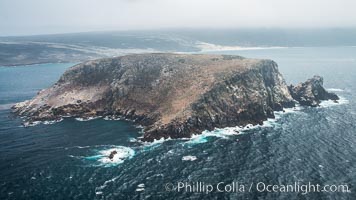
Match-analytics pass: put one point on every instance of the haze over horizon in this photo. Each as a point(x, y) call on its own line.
point(21, 17)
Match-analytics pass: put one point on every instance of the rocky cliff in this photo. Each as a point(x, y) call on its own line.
point(171, 95)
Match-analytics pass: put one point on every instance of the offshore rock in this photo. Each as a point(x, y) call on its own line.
point(171, 95)
point(311, 92)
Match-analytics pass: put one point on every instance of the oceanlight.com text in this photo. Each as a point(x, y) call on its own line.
point(238, 187)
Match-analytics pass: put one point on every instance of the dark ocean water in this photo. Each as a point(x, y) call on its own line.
point(67, 160)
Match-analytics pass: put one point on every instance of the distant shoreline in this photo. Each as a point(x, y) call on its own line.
point(35, 63)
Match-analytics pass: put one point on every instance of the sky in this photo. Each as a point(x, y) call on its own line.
point(28, 17)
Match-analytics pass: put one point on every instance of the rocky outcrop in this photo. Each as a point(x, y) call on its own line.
point(311, 92)
point(171, 95)
point(112, 154)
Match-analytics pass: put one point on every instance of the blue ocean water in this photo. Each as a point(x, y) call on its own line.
point(67, 160)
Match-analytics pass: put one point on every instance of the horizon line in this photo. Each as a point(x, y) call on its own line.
point(179, 29)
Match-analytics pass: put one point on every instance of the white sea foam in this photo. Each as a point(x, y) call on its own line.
point(132, 139)
point(28, 124)
point(151, 145)
point(335, 90)
point(221, 133)
point(142, 129)
point(86, 119)
point(139, 126)
point(208, 47)
point(140, 187)
point(157, 141)
point(217, 132)
point(230, 131)
point(98, 190)
point(226, 132)
point(123, 153)
point(52, 122)
point(78, 157)
point(189, 158)
point(112, 117)
point(199, 138)
point(35, 123)
point(330, 103)
point(82, 147)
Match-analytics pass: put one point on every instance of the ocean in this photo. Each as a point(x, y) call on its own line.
point(68, 159)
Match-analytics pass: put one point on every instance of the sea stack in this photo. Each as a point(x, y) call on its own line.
point(171, 95)
point(311, 92)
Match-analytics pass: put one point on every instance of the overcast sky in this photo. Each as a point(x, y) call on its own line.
point(22, 17)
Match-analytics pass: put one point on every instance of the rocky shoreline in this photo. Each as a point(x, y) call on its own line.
point(173, 95)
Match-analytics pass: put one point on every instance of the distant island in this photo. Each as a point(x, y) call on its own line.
point(173, 95)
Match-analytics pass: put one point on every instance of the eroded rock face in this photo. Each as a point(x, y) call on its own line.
point(311, 92)
point(171, 95)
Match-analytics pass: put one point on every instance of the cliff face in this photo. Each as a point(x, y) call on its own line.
point(171, 95)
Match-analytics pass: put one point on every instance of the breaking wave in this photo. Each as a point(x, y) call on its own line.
point(102, 156)
point(87, 119)
point(189, 158)
point(330, 103)
point(335, 90)
point(35, 123)
point(225, 133)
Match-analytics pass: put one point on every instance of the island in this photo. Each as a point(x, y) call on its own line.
point(173, 95)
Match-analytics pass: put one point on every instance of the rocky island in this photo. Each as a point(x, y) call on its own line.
point(173, 95)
